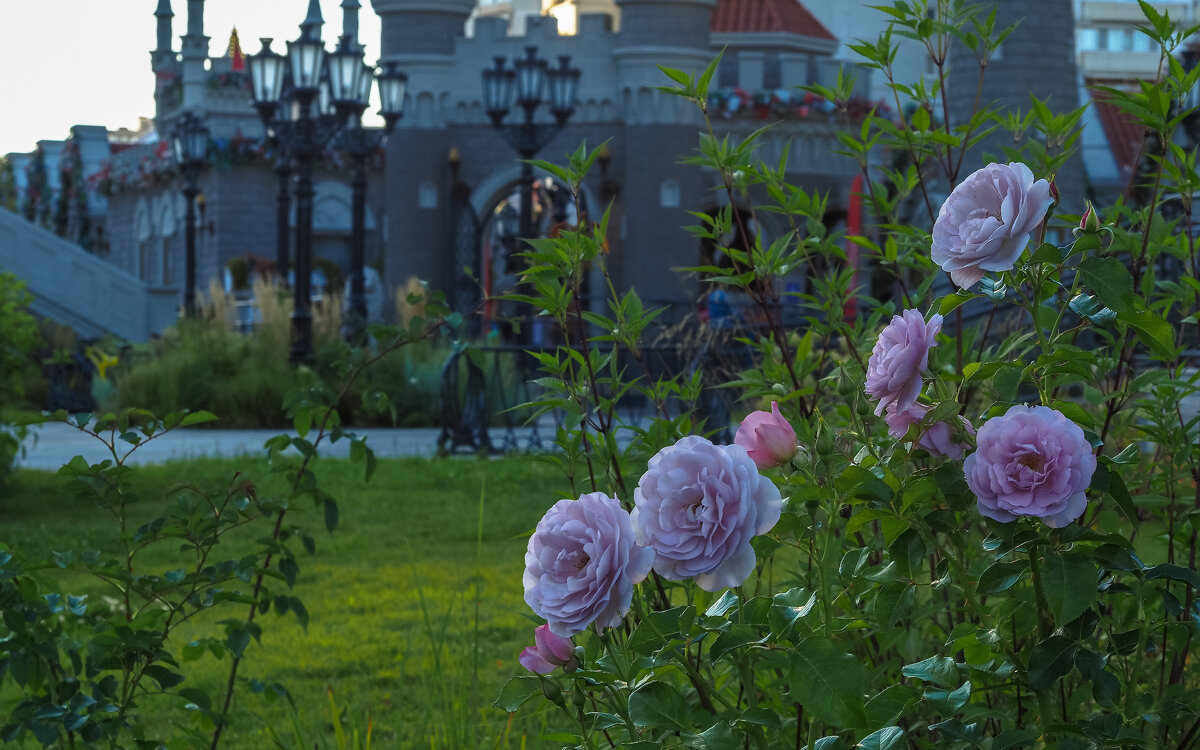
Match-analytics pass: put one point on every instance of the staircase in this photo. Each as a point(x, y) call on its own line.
point(73, 287)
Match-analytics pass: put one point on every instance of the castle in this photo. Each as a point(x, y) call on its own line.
point(438, 197)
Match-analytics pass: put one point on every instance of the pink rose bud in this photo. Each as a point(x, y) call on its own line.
point(1090, 222)
point(548, 653)
point(1057, 196)
point(767, 437)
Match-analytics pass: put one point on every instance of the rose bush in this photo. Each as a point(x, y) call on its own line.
point(921, 584)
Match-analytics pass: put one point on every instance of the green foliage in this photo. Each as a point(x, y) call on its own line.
point(245, 377)
point(885, 610)
point(18, 337)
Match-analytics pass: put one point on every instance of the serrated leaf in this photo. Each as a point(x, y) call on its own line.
point(1050, 661)
point(1070, 582)
point(828, 682)
point(657, 704)
point(516, 691)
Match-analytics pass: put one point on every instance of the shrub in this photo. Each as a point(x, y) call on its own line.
point(986, 534)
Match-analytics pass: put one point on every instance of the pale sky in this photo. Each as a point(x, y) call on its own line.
point(87, 62)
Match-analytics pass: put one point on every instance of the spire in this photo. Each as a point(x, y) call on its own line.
point(235, 54)
point(350, 20)
point(164, 16)
point(313, 23)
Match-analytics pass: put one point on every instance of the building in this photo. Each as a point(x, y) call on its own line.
point(442, 217)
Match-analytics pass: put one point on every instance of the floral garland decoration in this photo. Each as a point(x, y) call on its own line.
point(786, 104)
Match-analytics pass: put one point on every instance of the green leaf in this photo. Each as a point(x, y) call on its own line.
point(828, 682)
point(887, 738)
point(1001, 576)
point(1070, 582)
point(889, 704)
point(516, 691)
point(1047, 252)
point(197, 417)
point(1050, 661)
point(717, 737)
point(331, 514)
point(952, 301)
point(947, 702)
point(1011, 738)
point(657, 704)
point(1175, 573)
point(893, 602)
point(1154, 332)
point(1110, 280)
point(763, 717)
point(941, 670)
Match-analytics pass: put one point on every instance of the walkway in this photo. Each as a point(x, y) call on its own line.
point(52, 445)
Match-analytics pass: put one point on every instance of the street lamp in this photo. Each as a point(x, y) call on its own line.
point(190, 144)
point(339, 85)
point(268, 74)
point(527, 79)
point(350, 88)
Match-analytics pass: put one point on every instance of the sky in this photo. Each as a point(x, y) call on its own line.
point(87, 62)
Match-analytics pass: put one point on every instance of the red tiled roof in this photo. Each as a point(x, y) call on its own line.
point(756, 16)
point(1123, 131)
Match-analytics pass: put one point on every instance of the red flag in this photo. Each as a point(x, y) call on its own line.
point(235, 53)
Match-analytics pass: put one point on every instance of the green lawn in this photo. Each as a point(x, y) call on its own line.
point(407, 605)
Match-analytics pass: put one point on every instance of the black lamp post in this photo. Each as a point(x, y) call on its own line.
point(350, 81)
point(190, 142)
point(528, 78)
point(334, 86)
point(268, 74)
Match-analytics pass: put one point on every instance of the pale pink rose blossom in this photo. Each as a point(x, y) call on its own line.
point(1032, 461)
point(987, 221)
point(900, 355)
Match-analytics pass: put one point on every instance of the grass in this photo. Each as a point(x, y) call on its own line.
point(416, 605)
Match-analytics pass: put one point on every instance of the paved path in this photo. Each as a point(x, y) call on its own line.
point(52, 445)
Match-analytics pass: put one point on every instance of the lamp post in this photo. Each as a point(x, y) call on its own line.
point(190, 142)
point(350, 81)
point(527, 79)
point(338, 90)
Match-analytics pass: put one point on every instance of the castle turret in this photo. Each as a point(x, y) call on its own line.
point(163, 56)
point(659, 130)
point(350, 19)
point(195, 54)
point(420, 36)
point(313, 22)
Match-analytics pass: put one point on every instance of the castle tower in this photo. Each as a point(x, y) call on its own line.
point(420, 36)
point(659, 130)
point(195, 54)
point(163, 56)
point(350, 19)
point(1039, 59)
point(163, 60)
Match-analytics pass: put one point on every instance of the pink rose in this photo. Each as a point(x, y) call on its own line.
point(1032, 461)
point(900, 356)
point(767, 437)
point(698, 507)
point(986, 222)
point(937, 438)
point(548, 653)
point(582, 563)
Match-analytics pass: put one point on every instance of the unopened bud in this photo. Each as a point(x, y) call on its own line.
point(1090, 222)
point(1057, 196)
point(578, 698)
point(552, 691)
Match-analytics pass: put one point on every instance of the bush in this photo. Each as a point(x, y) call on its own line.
point(949, 531)
point(205, 365)
point(18, 337)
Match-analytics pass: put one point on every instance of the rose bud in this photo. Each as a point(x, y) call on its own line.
point(549, 652)
point(1090, 222)
point(767, 437)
